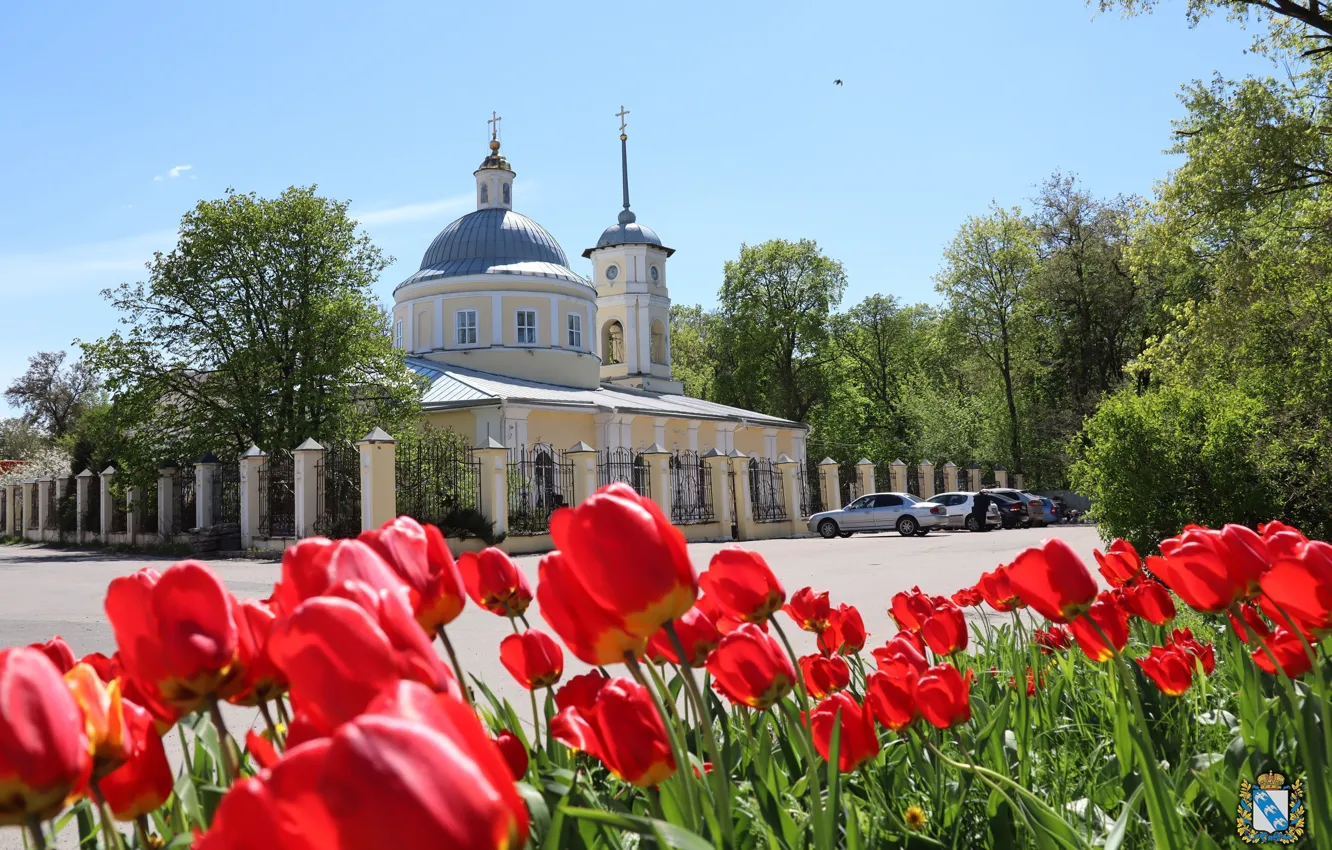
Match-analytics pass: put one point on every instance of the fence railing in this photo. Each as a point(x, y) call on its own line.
point(436, 476)
point(810, 479)
point(183, 515)
point(691, 489)
point(145, 511)
point(32, 509)
point(765, 488)
point(49, 521)
point(4, 508)
point(849, 480)
point(624, 465)
point(17, 507)
point(540, 482)
point(338, 492)
point(277, 495)
point(226, 493)
point(92, 508)
point(67, 507)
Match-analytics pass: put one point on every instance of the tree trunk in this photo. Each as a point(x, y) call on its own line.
point(1007, 370)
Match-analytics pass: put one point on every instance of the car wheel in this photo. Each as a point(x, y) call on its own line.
point(922, 532)
point(972, 525)
point(1026, 523)
point(907, 526)
point(845, 534)
point(828, 529)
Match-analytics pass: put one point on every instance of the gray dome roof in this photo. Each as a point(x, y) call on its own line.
point(494, 241)
point(628, 232)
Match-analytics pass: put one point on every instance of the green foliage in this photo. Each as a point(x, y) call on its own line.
point(20, 439)
point(691, 336)
point(1153, 462)
point(53, 396)
point(259, 327)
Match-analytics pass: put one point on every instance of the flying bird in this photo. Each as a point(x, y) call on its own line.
point(837, 82)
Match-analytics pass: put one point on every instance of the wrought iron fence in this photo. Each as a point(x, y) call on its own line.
point(17, 507)
point(811, 488)
point(940, 480)
point(436, 475)
point(277, 495)
point(849, 476)
point(49, 520)
point(540, 482)
point(92, 507)
point(33, 512)
point(624, 465)
point(67, 507)
point(765, 490)
point(913, 479)
point(691, 489)
point(184, 515)
point(226, 493)
point(730, 488)
point(119, 514)
point(145, 511)
point(338, 491)
point(4, 508)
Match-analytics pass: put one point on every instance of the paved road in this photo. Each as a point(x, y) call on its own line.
point(44, 592)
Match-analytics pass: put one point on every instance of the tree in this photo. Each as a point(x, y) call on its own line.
point(770, 342)
point(987, 269)
point(691, 334)
point(20, 439)
point(260, 328)
point(1310, 17)
point(51, 395)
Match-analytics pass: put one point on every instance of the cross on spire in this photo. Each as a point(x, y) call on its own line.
point(494, 122)
point(623, 112)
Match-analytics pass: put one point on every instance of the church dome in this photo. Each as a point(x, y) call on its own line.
point(494, 241)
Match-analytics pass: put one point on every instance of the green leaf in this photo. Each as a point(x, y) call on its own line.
point(667, 835)
point(1119, 828)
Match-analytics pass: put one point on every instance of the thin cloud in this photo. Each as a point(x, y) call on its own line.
point(85, 268)
point(174, 173)
point(411, 212)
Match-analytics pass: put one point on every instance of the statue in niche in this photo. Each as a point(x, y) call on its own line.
point(614, 344)
point(485, 194)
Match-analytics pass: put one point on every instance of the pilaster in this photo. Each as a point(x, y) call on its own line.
point(865, 471)
point(925, 471)
point(306, 457)
point(659, 476)
point(584, 460)
point(831, 484)
point(494, 457)
point(379, 480)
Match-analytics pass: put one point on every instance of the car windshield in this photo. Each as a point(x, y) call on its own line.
point(938, 500)
point(910, 499)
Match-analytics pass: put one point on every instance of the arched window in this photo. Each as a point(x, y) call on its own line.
point(506, 194)
point(485, 194)
point(612, 343)
point(658, 342)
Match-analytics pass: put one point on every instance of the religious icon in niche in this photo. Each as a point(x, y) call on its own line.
point(614, 343)
point(485, 194)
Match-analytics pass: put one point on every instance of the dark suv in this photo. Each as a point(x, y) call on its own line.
point(1031, 508)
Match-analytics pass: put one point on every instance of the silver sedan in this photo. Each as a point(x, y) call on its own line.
point(900, 512)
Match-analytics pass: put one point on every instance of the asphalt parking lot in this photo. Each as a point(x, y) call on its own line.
point(45, 592)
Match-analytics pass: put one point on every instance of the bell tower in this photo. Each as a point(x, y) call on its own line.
point(494, 179)
point(633, 303)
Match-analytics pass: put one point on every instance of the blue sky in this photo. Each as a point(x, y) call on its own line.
point(121, 117)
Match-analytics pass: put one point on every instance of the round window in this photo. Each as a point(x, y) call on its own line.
point(612, 272)
point(655, 274)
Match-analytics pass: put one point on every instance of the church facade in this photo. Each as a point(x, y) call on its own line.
point(519, 349)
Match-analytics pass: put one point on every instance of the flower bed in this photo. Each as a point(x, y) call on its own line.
point(1071, 717)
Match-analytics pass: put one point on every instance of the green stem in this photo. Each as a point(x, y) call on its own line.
point(230, 755)
point(113, 837)
point(807, 733)
point(141, 830)
point(673, 737)
point(536, 722)
point(720, 770)
point(185, 750)
point(35, 829)
point(272, 727)
point(457, 668)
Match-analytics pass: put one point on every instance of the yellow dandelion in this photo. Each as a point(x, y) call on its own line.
point(915, 818)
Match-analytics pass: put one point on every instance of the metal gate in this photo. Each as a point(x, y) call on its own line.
point(811, 488)
point(226, 493)
point(277, 495)
point(436, 474)
point(730, 483)
point(92, 507)
point(691, 489)
point(540, 482)
point(624, 465)
point(184, 515)
point(766, 490)
point(849, 475)
point(338, 492)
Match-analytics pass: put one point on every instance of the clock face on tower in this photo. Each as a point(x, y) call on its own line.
point(612, 272)
point(655, 274)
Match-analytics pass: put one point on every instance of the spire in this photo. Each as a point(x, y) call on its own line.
point(626, 215)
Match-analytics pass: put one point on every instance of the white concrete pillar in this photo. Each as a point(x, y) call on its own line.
point(166, 500)
point(307, 456)
point(105, 503)
point(791, 489)
point(925, 470)
point(82, 482)
point(494, 457)
point(718, 467)
point(898, 472)
point(746, 527)
point(659, 476)
point(379, 478)
point(659, 431)
point(205, 473)
point(830, 481)
point(950, 476)
point(770, 443)
point(251, 461)
point(584, 460)
point(865, 471)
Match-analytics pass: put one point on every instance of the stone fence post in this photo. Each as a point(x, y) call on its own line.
point(584, 460)
point(791, 490)
point(205, 473)
point(718, 468)
point(744, 498)
point(899, 474)
point(830, 484)
point(251, 462)
point(974, 477)
point(1000, 476)
point(307, 456)
point(104, 504)
point(166, 501)
point(950, 476)
point(925, 472)
point(1019, 480)
point(44, 486)
point(81, 483)
point(865, 471)
point(659, 476)
point(379, 478)
point(494, 457)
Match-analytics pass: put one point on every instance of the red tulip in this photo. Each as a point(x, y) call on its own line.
point(315, 565)
point(1289, 651)
point(421, 558)
point(419, 773)
point(696, 633)
point(824, 676)
point(628, 558)
point(1121, 564)
point(1280, 539)
point(892, 698)
point(1183, 640)
point(143, 782)
point(515, 754)
point(261, 749)
point(44, 752)
point(176, 633)
point(967, 597)
point(1053, 580)
point(58, 651)
point(103, 718)
point(571, 728)
point(1170, 668)
point(1053, 639)
point(998, 591)
point(900, 656)
point(580, 691)
point(808, 609)
point(594, 634)
point(1105, 616)
point(750, 668)
point(742, 585)
point(630, 737)
point(910, 610)
point(943, 696)
point(494, 582)
point(725, 623)
point(1253, 619)
point(857, 741)
point(1149, 600)
point(1299, 586)
point(533, 657)
point(1211, 569)
point(946, 629)
point(846, 633)
point(259, 679)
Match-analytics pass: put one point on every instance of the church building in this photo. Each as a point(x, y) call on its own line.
point(520, 348)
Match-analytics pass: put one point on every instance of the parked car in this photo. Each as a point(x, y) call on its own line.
point(958, 506)
point(1050, 515)
point(1033, 509)
point(900, 512)
point(1012, 513)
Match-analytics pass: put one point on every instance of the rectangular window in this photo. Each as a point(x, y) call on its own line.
point(465, 325)
point(397, 334)
point(527, 325)
point(575, 330)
